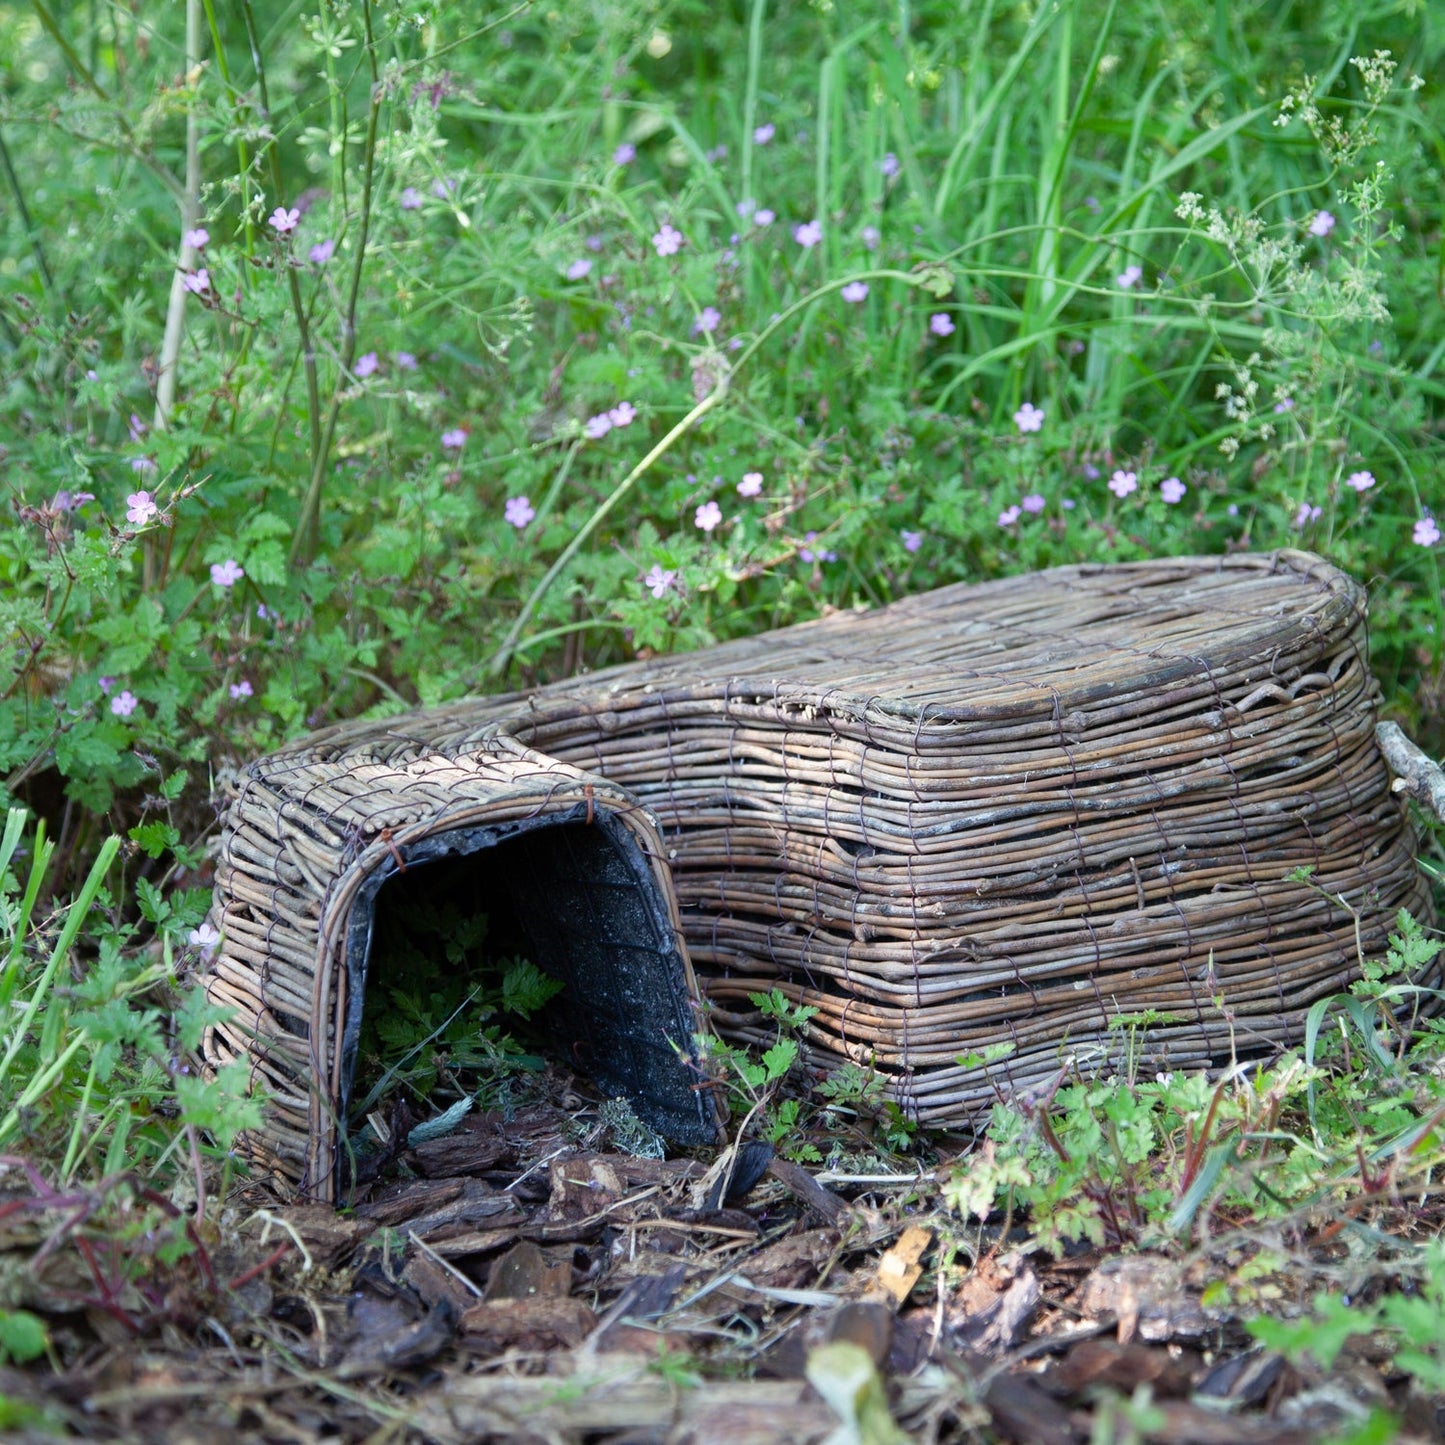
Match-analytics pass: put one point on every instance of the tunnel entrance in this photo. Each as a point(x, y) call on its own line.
point(576, 898)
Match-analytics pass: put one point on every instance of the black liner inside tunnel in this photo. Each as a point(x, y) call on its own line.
point(586, 905)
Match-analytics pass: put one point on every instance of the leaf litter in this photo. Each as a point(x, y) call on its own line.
point(507, 1284)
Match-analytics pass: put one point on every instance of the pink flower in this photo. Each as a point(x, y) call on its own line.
point(941, 324)
point(764, 133)
point(1008, 516)
point(871, 237)
point(105, 684)
point(668, 241)
point(1360, 481)
point(283, 221)
point(137, 427)
point(1172, 490)
point(455, 439)
point(140, 508)
point(124, 703)
point(405, 361)
point(1322, 224)
point(227, 573)
point(854, 291)
point(197, 282)
point(707, 516)
point(519, 511)
point(1033, 504)
point(623, 414)
point(751, 484)
point(597, 426)
point(1130, 276)
point(808, 233)
point(1306, 515)
point(1284, 404)
point(765, 217)
point(1122, 483)
point(912, 541)
point(205, 938)
point(196, 239)
point(1426, 533)
point(1029, 418)
point(708, 319)
point(578, 269)
point(322, 252)
point(624, 155)
point(659, 581)
point(410, 199)
point(366, 364)
point(240, 689)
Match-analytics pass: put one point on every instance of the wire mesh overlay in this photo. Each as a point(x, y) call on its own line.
point(1016, 812)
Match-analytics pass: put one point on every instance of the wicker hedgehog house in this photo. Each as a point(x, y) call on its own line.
point(1006, 813)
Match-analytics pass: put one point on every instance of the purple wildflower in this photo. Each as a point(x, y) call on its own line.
point(889, 165)
point(912, 541)
point(659, 581)
point(708, 319)
point(197, 282)
point(519, 511)
point(124, 703)
point(1172, 490)
point(578, 269)
point(410, 199)
point(1322, 224)
point(283, 221)
point(1306, 515)
point(1029, 418)
point(1122, 483)
point(707, 516)
point(764, 217)
point(241, 689)
point(871, 238)
point(941, 324)
point(366, 364)
point(624, 155)
point(1130, 276)
point(405, 361)
point(764, 133)
point(196, 239)
point(322, 252)
point(1033, 503)
point(751, 484)
point(1008, 516)
point(140, 508)
point(455, 439)
point(205, 938)
point(597, 426)
point(854, 291)
point(227, 573)
point(808, 233)
point(1360, 481)
point(668, 241)
point(1426, 533)
point(143, 465)
point(623, 414)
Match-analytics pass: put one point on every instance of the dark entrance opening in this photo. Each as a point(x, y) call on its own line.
point(578, 899)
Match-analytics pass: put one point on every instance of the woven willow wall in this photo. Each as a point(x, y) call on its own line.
point(1007, 813)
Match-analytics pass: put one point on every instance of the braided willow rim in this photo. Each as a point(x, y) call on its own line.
point(1016, 812)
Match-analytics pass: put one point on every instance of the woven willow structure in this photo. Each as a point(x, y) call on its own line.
point(1011, 813)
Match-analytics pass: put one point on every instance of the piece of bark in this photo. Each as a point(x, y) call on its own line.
point(410, 1345)
point(798, 1182)
point(524, 1272)
point(1416, 773)
point(1121, 1367)
point(537, 1324)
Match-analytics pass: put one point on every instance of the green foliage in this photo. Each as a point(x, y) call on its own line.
point(1132, 1159)
point(1411, 1320)
point(96, 1052)
point(1201, 250)
point(22, 1336)
point(435, 993)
